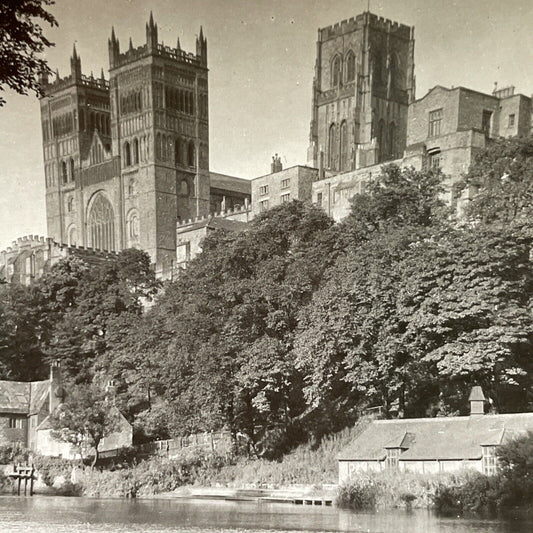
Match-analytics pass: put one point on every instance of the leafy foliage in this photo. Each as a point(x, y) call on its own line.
point(21, 43)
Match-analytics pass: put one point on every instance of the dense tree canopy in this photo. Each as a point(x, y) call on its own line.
point(295, 326)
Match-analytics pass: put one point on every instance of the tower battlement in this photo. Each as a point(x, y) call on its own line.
point(357, 23)
point(154, 47)
point(69, 81)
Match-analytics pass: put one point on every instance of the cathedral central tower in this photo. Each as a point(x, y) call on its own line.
point(363, 84)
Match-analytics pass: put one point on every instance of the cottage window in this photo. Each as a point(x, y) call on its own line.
point(17, 423)
point(263, 189)
point(263, 206)
point(489, 460)
point(393, 455)
point(285, 198)
point(435, 120)
point(319, 199)
point(511, 121)
point(285, 183)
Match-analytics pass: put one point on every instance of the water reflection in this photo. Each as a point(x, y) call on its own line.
point(76, 515)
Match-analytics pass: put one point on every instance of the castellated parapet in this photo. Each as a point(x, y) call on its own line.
point(31, 256)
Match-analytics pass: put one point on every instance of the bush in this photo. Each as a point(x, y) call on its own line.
point(13, 454)
point(51, 467)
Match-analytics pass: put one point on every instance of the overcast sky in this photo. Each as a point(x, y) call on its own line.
point(261, 56)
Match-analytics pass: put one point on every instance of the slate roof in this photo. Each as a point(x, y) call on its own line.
point(230, 183)
point(217, 223)
point(436, 438)
point(19, 397)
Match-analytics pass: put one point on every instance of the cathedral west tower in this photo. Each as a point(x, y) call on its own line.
point(363, 84)
point(125, 160)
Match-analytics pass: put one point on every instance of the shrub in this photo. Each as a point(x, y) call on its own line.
point(51, 467)
point(13, 454)
point(360, 494)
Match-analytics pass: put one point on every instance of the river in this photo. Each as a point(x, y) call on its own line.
point(47, 514)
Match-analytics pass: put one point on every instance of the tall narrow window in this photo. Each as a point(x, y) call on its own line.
point(392, 140)
point(382, 139)
point(71, 169)
point(393, 456)
point(64, 172)
point(331, 148)
point(178, 152)
point(135, 151)
point(489, 460)
point(350, 66)
point(511, 121)
point(191, 154)
point(127, 155)
point(435, 120)
point(343, 147)
point(336, 71)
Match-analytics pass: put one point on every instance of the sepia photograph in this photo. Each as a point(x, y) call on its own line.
point(266, 266)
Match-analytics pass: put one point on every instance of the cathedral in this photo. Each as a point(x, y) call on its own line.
point(127, 159)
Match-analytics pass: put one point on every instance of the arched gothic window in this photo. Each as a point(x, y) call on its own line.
point(343, 159)
point(184, 188)
point(82, 119)
point(131, 187)
point(70, 204)
point(395, 71)
point(350, 66)
point(336, 71)
point(127, 155)
point(101, 224)
point(331, 147)
point(191, 154)
point(72, 236)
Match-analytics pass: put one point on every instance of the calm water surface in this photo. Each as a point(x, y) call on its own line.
point(42, 514)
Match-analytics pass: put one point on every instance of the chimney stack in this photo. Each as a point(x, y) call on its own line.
point(477, 401)
point(276, 165)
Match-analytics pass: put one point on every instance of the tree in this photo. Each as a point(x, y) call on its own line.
point(84, 419)
point(21, 42)
point(500, 182)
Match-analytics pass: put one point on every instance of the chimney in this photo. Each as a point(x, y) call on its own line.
point(56, 393)
point(110, 392)
point(477, 401)
point(276, 165)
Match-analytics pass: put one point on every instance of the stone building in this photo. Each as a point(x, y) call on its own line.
point(126, 160)
point(364, 82)
point(28, 258)
point(282, 185)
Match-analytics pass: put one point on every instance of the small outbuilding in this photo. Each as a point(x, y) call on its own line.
point(434, 445)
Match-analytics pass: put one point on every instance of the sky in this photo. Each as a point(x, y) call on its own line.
point(261, 56)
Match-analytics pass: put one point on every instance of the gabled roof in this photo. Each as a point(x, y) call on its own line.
point(39, 391)
point(14, 397)
point(436, 438)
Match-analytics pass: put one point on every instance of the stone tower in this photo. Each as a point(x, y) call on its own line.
point(136, 149)
point(363, 84)
point(71, 110)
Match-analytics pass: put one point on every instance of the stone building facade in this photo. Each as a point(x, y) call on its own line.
point(126, 160)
